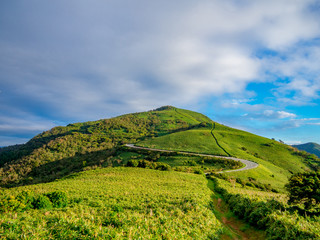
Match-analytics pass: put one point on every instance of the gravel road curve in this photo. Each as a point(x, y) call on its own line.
point(248, 164)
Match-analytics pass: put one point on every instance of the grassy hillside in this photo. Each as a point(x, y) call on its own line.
point(277, 161)
point(312, 148)
point(118, 203)
point(82, 146)
point(109, 201)
point(63, 150)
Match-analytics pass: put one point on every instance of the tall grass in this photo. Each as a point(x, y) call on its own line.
point(119, 203)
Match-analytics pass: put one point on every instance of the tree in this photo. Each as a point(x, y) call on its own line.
point(304, 188)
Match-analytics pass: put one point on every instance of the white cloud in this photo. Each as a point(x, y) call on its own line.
point(105, 58)
point(187, 51)
point(283, 114)
point(278, 114)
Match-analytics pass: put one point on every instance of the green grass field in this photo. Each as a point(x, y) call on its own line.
point(119, 203)
point(277, 161)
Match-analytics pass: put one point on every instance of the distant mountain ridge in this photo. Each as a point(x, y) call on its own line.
point(311, 147)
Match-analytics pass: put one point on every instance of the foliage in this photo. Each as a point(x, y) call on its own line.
point(59, 199)
point(42, 202)
point(26, 200)
point(148, 164)
point(269, 215)
point(304, 188)
point(119, 203)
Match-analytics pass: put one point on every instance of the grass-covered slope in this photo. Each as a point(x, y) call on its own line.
point(118, 203)
point(63, 150)
point(277, 161)
point(81, 146)
point(313, 148)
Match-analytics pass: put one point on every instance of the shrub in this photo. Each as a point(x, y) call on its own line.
point(198, 171)
point(132, 163)
point(42, 202)
point(162, 166)
point(190, 163)
point(304, 188)
point(144, 164)
point(59, 199)
point(240, 181)
point(250, 184)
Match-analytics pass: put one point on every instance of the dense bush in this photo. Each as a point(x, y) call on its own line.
point(42, 202)
point(59, 199)
point(26, 200)
point(304, 188)
point(132, 163)
point(162, 166)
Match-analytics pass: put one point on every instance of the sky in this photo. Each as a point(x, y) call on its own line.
point(252, 65)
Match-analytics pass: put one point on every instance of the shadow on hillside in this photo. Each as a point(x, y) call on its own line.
point(65, 167)
point(197, 126)
point(62, 168)
point(15, 152)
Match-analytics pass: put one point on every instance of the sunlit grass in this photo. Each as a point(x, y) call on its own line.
point(119, 203)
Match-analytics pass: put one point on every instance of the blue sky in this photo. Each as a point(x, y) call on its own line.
point(252, 65)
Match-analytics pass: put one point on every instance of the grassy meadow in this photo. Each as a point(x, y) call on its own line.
point(119, 203)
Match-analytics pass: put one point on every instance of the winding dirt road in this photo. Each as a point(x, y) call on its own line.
point(248, 164)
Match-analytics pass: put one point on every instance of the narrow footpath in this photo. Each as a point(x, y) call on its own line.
point(235, 229)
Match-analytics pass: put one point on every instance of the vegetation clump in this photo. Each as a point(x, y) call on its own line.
point(148, 164)
point(304, 188)
point(26, 200)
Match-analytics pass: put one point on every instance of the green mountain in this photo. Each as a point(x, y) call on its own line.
point(310, 147)
point(112, 191)
point(63, 150)
point(76, 147)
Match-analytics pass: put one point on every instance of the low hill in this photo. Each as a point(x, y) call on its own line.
point(310, 147)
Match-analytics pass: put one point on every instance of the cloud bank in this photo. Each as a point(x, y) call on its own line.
point(75, 61)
